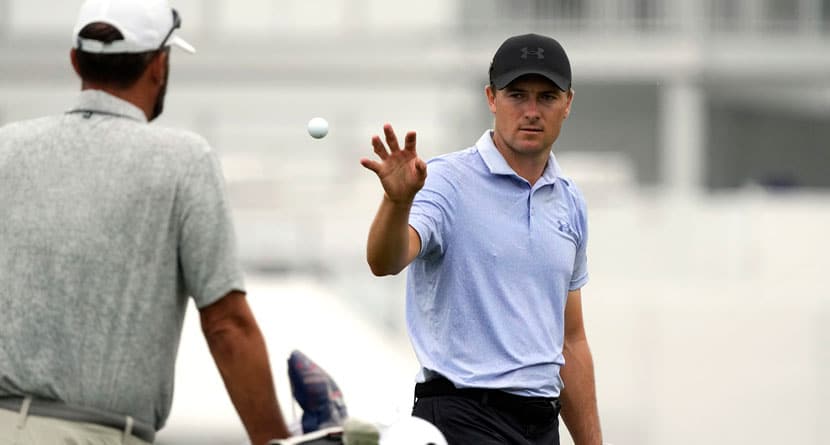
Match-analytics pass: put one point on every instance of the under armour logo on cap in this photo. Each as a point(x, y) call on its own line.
point(539, 53)
point(530, 54)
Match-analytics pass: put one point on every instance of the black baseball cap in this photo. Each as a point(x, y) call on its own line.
point(530, 54)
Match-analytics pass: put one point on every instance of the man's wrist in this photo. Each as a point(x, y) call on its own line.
point(399, 203)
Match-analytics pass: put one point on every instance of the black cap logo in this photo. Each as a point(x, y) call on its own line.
point(539, 53)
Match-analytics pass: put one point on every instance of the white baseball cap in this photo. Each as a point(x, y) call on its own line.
point(147, 25)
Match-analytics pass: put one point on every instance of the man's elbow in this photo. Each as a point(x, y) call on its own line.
point(382, 270)
point(383, 266)
point(224, 335)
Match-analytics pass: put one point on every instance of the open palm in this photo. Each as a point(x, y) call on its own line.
point(401, 172)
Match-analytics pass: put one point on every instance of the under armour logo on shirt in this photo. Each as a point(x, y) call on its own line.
point(539, 53)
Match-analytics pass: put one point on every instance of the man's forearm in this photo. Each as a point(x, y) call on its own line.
point(579, 400)
point(242, 359)
point(388, 244)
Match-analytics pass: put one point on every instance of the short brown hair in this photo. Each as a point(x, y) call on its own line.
point(120, 70)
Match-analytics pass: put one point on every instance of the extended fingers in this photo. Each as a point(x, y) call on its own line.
point(380, 149)
point(370, 164)
point(392, 142)
point(391, 139)
point(409, 141)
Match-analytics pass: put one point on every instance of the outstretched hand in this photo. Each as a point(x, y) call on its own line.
point(401, 172)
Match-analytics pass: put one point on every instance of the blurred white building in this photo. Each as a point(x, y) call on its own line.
point(699, 134)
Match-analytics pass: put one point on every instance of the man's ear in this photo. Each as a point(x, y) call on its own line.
point(157, 67)
point(491, 97)
point(73, 57)
point(570, 101)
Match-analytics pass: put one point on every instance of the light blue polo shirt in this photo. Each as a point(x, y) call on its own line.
point(485, 298)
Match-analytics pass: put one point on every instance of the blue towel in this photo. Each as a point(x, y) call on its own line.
point(316, 393)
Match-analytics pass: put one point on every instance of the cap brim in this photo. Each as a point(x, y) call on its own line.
point(508, 77)
point(181, 43)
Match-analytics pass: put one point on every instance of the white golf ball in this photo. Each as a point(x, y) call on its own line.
point(318, 127)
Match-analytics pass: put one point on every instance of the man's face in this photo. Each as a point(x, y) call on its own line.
point(529, 113)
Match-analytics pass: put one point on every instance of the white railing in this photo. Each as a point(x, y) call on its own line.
point(600, 17)
point(645, 16)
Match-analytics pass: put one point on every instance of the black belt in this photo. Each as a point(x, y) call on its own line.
point(60, 410)
point(530, 409)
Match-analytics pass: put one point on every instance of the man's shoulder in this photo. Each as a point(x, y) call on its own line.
point(26, 127)
point(455, 170)
point(455, 159)
point(154, 135)
point(568, 183)
point(179, 147)
point(178, 138)
point(572, 191)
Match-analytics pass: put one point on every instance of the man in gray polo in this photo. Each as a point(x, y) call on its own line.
point(108, 226)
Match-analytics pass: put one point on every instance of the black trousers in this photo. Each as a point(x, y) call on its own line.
point(487, 417)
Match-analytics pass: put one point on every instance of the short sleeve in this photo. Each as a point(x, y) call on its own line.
point(207, 243)
point(579, 277)
point(432, 208)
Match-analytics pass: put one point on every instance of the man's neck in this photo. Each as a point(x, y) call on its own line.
point(531, 167)
point(131, 95)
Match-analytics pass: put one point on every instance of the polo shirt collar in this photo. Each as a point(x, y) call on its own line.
point(498, 166)
point(101, 101)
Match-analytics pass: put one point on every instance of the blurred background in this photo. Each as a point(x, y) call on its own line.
point(699, 135)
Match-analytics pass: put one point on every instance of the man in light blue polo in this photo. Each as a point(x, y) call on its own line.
point(495, 240)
